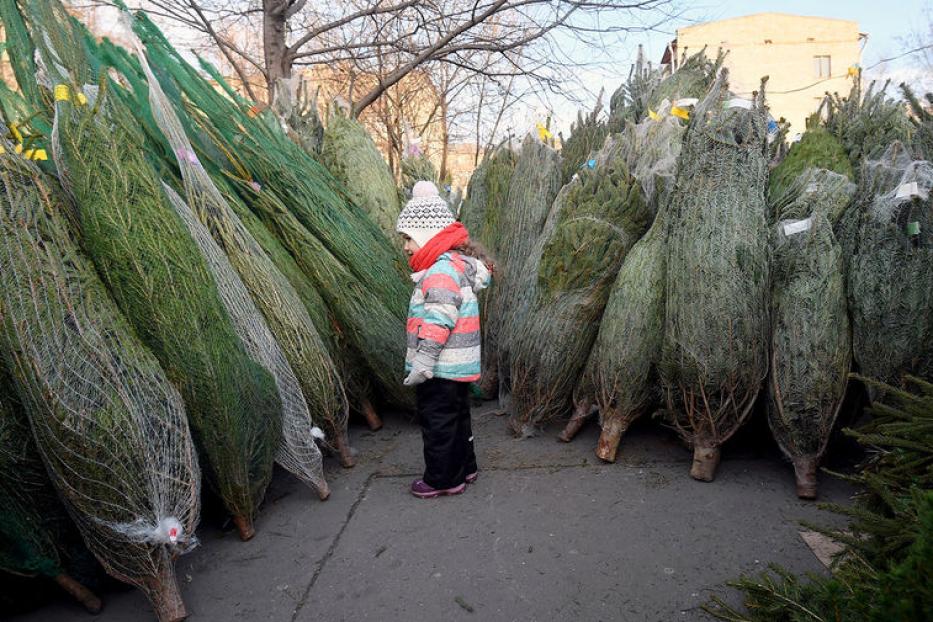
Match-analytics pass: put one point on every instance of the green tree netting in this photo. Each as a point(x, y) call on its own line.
point(716, 326)
point(532, 189)
point(158, 277)
point(283, 339)
point(262, 161)
point(352, 157)
point(264, 154)
point(375, 332)
point(866, 124)
point(37, 539)
point(109, 425)
point(811, 346)
point(331, 390)
point(297, 448)
point(415, 166)
point(817, 148)
point(619, 377)
point(587, 136)
point(890, 282)
point(597, 219)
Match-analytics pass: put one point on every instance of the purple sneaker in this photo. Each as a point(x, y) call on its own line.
point(421, 490)
point(472, 477)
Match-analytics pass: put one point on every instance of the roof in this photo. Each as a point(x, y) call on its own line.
point(769, 15)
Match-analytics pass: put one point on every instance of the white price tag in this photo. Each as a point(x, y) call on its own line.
point(686, 101)
point(738, 102)
point(797, 226)
point(811, 187)
point(909, 189)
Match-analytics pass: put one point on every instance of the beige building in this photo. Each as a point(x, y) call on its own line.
point(804, 57)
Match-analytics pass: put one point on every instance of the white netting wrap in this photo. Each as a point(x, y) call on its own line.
point(654, 146)
point(890, 277)
point(110, 427)
point(298, 451)
point(288, 328)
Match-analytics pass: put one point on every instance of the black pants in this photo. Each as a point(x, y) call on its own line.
point(444, 415)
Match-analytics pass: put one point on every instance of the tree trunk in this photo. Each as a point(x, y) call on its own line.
point(445, 142)
point(276, 56)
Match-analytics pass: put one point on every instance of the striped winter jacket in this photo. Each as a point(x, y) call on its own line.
point(443, 316)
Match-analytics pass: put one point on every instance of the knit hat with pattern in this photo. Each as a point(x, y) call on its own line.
point(425, 215)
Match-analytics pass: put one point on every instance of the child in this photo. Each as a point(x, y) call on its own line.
point(443, 338)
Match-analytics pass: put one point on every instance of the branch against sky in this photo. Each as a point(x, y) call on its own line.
point(264, 40)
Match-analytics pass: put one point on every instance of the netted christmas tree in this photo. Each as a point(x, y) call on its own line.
point(587, 136)
point(109, 425)
point(921, 118)
point(890, 283)
point(716, 328)
point(866, 124)
point(160, 280)
point(816, 149)
point(37, 538)
point(482, 214)
point(532, 190)
point(629, 103)
point(296, 103)
point(270, 318)
point(352, 157)
point(594, 223)
point(811, 347)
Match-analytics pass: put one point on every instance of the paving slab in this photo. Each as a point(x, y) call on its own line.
point(547, 533)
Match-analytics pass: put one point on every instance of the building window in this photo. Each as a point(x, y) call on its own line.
point(821, 67)
point(768, 41)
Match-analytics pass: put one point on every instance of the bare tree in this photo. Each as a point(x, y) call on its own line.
point(522, 37)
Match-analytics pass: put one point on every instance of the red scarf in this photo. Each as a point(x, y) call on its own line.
point(453, 236)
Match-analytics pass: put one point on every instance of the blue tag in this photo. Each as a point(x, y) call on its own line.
point(591, 163)
point(772, 126)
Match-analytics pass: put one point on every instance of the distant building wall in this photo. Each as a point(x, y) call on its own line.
point(804, 57)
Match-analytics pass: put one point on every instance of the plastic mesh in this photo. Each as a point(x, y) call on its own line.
point(297, 451)
point(890, 281)
point(811, 348)
point(618, 376)
point(532, 190)
point(298, 348)
point(370, 305)
point(159, 279)
point(595, 221)
point(110, 427)
point(716, 328)
point(351, 155)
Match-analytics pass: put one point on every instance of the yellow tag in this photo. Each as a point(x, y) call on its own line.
point(654, 116)
point(82, 99)
point(543, 133)
point(853, 71)
point(36, 154)
point(2, 150)
point(62, 93)
point(15, 131)
point(681, 113)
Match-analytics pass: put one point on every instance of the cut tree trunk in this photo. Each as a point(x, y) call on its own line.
point(705, 460)
point(373, 420)
point(805, 472)
point(86, 597)
point(609, 438)
point(581, 412)
point(244, 526)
